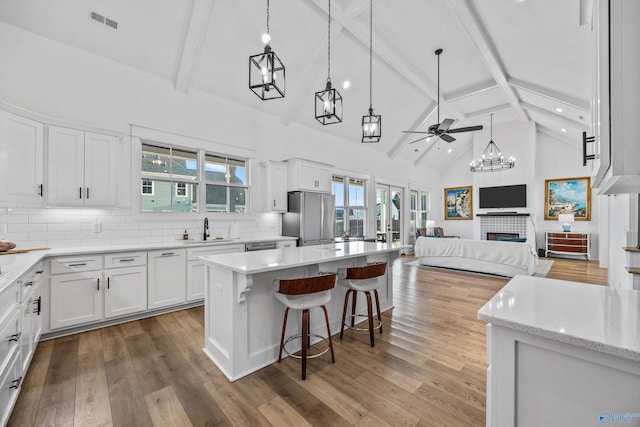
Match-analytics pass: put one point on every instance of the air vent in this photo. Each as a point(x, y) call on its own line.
point(101, 19)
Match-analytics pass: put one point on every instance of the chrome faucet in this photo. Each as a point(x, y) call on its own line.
point(206, 229)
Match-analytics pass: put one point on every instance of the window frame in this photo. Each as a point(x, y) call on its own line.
point(228, 184)
point(417, 210)
point(151, 184)
point(347, 207)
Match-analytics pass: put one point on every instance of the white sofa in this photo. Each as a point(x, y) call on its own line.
point(484, 256)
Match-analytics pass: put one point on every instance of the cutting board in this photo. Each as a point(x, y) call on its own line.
point(21, 251)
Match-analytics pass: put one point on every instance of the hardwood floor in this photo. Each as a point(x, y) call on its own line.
point(428, 368)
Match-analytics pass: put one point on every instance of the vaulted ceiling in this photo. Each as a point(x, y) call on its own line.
point(519, 59)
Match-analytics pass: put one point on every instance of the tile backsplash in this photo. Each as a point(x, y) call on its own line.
point(60, 228)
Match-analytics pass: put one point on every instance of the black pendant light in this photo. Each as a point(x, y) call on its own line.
point(329, 101)
point(266, 71)
point(371, 124)
point(492, 159)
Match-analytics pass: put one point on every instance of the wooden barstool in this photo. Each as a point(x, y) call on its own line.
point(362, 279)
point(304, 294)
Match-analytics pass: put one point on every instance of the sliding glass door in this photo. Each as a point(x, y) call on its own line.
point(388, 213)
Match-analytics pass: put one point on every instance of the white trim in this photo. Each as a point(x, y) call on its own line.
point(153, 187)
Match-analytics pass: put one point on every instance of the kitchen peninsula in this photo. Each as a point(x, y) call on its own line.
point(243, 320)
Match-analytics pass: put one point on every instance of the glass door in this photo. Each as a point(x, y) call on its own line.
point(388, 214)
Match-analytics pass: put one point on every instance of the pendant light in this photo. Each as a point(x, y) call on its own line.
point(329, 101)
point(266, 71)
point(371, 124)
point(492, 159)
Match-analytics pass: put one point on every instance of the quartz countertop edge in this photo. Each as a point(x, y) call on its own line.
point(583, 321)
point(280, 259)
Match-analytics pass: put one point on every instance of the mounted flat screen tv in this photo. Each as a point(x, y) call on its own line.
point(507, 196)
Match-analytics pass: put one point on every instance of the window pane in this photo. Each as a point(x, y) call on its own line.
point(216, 198)
point(423, 220)
point(414, 200)
point(423, 201)
point(339, 222)
point(356, 222)
point(337, 188)
point(413, 224)
point(155, 160)
point(215, 168)
point(163, 196)
point(237, 199)
point(356, 192)
point(184, 164)
point(237, 171)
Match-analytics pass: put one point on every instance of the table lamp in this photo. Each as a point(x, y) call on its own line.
point(430, 227)
point(566, 220)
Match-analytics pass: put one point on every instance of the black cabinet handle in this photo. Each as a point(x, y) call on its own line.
point(41, 191)
point(108, 282)
point(39, 271)
point(98, 284)
point(38, 304)
point(87, 193)
point(80, 264)
point(15, 337)
point(80, 193)
point(168, 253)
point(28, 283)
point(585, 141)
point(127, 260)
point(16, 383)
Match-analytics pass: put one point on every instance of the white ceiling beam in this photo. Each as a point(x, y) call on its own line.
point(470, 22)
point(487, 111)
point(469, 92)
point(195, 27)
point(586, 12)
point(555, 117)
point(551, 95)
point(397, 147)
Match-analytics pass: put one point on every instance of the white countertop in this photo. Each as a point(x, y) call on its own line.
point(12, 266)
point(600, 318)
point(279, 259)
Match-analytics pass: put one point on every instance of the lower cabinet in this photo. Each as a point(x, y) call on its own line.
point(126, 291)
point(10, 382)
point(167, 284)
point(195, 268)
point(76, 298)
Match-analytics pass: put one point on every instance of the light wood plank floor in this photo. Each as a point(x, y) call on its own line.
point(427, 368)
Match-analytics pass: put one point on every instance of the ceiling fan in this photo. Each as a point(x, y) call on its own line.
point(442, 129)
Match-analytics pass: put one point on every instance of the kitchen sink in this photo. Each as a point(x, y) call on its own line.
point(207, 242)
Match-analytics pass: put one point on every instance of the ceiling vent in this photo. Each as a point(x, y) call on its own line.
point(101, 19)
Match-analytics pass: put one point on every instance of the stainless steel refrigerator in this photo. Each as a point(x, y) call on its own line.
point(310, 217)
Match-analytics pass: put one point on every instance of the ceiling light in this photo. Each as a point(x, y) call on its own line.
point(563, 130)
point(492, 159)
point(559, 110)
point(449, 150)
point(266, 71)
point(329, 100)
point(371, 124)
point(346, 84)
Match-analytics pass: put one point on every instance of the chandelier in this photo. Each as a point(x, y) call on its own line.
point(371, 124)
point(492, 159)
point(266, 71)
point(329, 100)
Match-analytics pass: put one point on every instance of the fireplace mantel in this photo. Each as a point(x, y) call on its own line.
point(502, 214)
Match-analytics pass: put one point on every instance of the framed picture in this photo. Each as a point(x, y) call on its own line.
point(567, 196)
point(458, 203)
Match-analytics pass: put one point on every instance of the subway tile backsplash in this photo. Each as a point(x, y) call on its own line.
point(63, 228)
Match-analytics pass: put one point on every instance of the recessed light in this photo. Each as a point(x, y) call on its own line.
point(563, 130)
point(559, 110)
point(449, 150)
point(346, 84)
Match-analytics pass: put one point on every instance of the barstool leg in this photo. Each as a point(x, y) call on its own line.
point(344, 311)
point(375, 291)
point(353, 307)
point(305, 340)
point(284, 326)
point(326, 318)
point(370, 315)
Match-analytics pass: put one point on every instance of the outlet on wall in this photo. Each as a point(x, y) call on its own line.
point(97, 227)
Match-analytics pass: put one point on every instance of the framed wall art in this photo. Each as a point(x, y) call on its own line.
point(567, 196)
point(458, 203)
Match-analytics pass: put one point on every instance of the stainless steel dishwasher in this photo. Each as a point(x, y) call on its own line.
point(260, 246)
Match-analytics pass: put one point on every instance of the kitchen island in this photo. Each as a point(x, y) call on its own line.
point(243, 320)
point(562, 353)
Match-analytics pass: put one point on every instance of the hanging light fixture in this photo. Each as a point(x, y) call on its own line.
point(371, 124)
point(329, 101)
point(492, 159)
point(266, 71)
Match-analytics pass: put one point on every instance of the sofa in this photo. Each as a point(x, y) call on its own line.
point(502, 258)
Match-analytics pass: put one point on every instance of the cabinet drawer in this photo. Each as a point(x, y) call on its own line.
point(569, 242)
point(9, 338)
point(568, 248)
point(126, 259)
point(72, 264)
point(9, 300)
point(194, 254)
point(10, 382)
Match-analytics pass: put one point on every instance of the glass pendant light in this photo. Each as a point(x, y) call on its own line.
point(328, 101)
point(266, 71)
point(492, 159)
point(371, 124)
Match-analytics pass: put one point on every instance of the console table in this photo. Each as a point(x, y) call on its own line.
point(568, 244)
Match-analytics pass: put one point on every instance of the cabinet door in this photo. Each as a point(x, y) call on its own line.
point(195, 269)
point(10, 386)
point(76, 298)
point(65, 165)
point(100, 168)
point(36, 316)
point(307, 177)
point(275, 191)
point(126, 291)
point(26, 341)
point(22, 160)
point(323, 179)
point(167, 284)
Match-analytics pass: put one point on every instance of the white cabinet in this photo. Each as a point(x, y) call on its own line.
point(167, 278)
point(10, 386)
point(81, 168)
point(22, 161)
point(126, 291)
point(76, 298)
point(616, 35)
point(305, 175)
point(287, 244)
point(31, 313)
point(275, 186)
point(195, 268)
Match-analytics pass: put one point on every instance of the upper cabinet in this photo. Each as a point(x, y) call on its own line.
point(616, 37)
point(305, 175)
point(21, 160)
point(81, 168)
point(274, 176)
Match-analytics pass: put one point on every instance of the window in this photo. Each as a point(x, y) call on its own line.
point(181, 189)
point(226, 184)
point(419, 209)
point(351, 209)
point(147, 187)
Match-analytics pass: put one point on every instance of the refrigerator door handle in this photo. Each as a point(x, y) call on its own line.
point(321, 218)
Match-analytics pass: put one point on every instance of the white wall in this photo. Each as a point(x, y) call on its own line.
point(68, 84)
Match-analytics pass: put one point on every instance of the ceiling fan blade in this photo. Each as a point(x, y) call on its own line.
point(445, 125)
point(416, 131)
point(447, 137)
point(466, 129)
